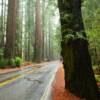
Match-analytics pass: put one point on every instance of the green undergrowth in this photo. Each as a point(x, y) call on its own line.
point(3, 63)
point(97, 78)
point(14, 62)
point(96, 69)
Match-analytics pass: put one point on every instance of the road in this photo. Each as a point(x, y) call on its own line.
point(29, 84)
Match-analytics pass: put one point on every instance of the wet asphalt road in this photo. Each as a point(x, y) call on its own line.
point(32, 85)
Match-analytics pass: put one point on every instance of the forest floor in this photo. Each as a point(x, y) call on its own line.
point(59, 92)
point(24, 65)
point(10, 69)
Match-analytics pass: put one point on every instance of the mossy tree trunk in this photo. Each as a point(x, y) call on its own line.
point(79, 76)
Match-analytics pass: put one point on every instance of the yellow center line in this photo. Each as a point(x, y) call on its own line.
point(9, 81)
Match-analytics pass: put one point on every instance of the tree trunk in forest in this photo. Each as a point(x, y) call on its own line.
point(43, 27)
point(2, 25)
point(38, 33)
point(17, 35)
point(11, 30)
point(28, 30)
point(22, 31)
point(79, 76)
point(49, 37)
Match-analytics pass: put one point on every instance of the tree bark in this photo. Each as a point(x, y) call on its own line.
point(79, 76)
point(2, 25)
point(11, 30)
point(38, 33)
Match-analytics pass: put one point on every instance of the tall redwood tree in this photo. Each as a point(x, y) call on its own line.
point(11, 30)
point(79, 76)
point(38, 33)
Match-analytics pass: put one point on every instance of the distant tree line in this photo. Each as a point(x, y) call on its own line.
point(28, 30)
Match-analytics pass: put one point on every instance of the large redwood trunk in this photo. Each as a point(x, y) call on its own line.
point(79, 76)
point(38, 33)
point(11, 30)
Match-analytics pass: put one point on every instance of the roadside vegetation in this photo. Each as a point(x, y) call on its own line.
point(32, 38)
point(35, 31)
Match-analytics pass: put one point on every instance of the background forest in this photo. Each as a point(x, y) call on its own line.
point(91, 17)
point(30, 30)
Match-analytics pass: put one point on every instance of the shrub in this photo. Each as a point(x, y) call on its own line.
point(97, 78)
point(1, 53)
point(3, 63)
point(18, 61)
point(12, 62)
